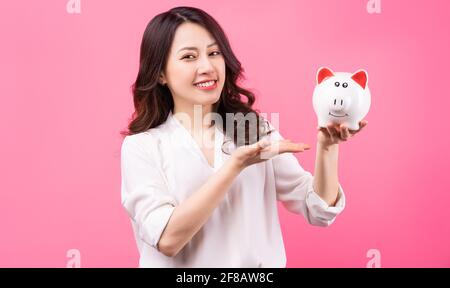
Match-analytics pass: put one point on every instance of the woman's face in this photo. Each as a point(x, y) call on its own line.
point(201, 60)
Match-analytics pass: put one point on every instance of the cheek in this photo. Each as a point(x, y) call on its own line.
point(181, 76)
point(183, 71)
point(222, 67)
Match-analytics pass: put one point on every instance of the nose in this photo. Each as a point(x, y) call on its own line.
point(339, 103)
point(205, 66)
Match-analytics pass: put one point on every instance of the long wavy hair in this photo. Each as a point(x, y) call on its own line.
point(153, 101)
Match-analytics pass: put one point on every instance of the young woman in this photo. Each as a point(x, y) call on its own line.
point(201, 194)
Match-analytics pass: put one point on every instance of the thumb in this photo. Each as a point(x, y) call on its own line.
point(263, 143)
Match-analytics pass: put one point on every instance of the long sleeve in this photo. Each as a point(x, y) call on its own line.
point(145, 195)
point(294, 187)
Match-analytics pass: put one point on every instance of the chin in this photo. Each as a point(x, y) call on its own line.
point(208, 102)
point(208, 99)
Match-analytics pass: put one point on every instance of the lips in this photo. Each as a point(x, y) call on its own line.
point(211, 87)
point(203, 81)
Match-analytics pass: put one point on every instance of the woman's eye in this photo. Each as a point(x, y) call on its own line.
point(187, 56)
point(217, 53)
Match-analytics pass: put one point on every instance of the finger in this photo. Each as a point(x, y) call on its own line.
point(261, 144)
point(362, 124)
point(332, 132)
point(329, 132)
point(280, 147)
point(293, 147)
point(283, 147)
point(323, 129)
point(266, 145)
point(339, 132)
point(261, 149)
point(252, 149)
point(335, 130)
point(319, 128)
point(345, 134)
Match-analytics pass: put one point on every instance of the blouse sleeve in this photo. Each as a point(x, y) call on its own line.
point(294, 188)
point(145, 195)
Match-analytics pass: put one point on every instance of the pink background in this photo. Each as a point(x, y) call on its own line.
point(65, 95)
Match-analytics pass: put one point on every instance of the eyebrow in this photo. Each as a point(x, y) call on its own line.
point(195, 48)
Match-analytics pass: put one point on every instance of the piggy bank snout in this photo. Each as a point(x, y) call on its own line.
point(339, 103)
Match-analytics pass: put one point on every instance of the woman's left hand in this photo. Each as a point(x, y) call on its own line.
point(336, 133)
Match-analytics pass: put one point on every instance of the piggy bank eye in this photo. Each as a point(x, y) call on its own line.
point(336, 84)
point(344, 85)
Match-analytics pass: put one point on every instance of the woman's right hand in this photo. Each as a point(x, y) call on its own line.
point(263, 150)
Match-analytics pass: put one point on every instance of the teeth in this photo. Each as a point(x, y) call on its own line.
point(205, 84)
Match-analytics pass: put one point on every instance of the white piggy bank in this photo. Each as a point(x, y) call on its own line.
point(341, 97)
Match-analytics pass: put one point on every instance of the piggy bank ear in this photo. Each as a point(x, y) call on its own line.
point(323, 73)
point(361, 78)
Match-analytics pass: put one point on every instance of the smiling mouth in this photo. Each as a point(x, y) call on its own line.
point(329, 113)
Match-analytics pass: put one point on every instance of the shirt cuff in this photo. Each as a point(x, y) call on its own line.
point(320, 213)
point(152, 229)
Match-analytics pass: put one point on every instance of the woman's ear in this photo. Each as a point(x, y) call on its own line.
point(162, 78)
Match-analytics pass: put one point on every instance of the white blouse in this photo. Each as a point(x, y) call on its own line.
point(164, 165)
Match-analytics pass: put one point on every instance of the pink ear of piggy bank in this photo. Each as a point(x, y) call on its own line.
point(341, 97)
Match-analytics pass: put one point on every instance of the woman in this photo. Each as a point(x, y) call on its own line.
point(201, 194)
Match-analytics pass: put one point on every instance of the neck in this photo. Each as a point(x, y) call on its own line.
point(194, 118)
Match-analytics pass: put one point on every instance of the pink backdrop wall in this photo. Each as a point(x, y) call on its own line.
point(65, 96)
